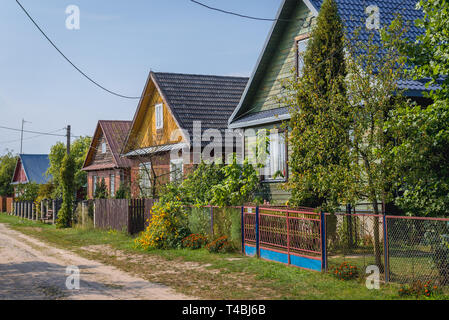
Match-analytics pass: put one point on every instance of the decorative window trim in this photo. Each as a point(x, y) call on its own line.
point(298, 39)
point(264, 178)
point(112, 185)
point(176, 162)
point(159, 116)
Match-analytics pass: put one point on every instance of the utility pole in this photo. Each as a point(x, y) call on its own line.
point(21, 134)
point(68, 139)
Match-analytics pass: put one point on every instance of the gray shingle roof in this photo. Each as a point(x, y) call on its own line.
point(206, 98)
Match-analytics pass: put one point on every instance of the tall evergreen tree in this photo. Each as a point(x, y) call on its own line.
point(317, 100)
point(67, 174)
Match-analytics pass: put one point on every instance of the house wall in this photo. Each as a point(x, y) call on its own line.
point(99, 157)
point(274, 192)
point(281, 64)
point(106, 175)
point(144, 134)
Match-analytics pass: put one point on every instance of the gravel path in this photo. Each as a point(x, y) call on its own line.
point(33, 270)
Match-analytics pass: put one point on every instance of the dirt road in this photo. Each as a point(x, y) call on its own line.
point(30, 269)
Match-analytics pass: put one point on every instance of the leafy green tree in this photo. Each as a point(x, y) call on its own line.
point(319, 117)
point(238, 186)
point(27, 191)
point(422, 150)
point(67, 174)
point(197, 187)
point(101, 191)
point(78, 150)
point(7, 166)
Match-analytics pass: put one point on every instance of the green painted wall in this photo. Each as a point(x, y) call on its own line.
point(282, 62)
point(281, 66)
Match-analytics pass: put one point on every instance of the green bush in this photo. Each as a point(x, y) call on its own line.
point(227, 224)
point(199, 220)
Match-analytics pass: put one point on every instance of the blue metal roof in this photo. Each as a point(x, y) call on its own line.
point(354, 18)
point(35, 166)
point(352, 13)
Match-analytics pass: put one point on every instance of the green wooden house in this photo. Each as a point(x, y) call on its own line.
point(260, 107)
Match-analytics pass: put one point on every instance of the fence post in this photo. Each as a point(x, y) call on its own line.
point(288, 237)
point(33, 211)
point(386, 253)
point(257, 233)
point(212, 220)
point(53, 205)
point(242, 219)
point(323, 242)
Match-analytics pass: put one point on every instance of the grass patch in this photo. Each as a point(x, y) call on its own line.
point(199, 273)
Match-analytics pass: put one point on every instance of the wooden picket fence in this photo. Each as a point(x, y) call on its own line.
point(122, 214)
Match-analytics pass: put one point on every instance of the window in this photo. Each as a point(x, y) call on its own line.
point(276, 161)
point(302, 46)
point(94, 186)
point(159, 116)
point(176, 170)
point(145, 178)
point(112, 185)
point(103, 147)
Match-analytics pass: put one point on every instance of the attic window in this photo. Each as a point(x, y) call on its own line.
point(301, 46)
point(159, 116)
point(103, 147)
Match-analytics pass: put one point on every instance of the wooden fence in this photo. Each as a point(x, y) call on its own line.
point(6, 204)
point(27, 210)
point(122, 214)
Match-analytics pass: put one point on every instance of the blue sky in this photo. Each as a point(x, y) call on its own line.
point(117, 45)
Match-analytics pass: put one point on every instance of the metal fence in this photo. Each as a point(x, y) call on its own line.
point(418, 249)
point(284, 235)
point(406, 249)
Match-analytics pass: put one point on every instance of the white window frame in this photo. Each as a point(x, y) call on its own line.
point(173, 173)
point(103, 147)
point(300, 55)
point(159, 116)
point(95, 180)
point(277, 157)
point(145, 180)
point(112, 185)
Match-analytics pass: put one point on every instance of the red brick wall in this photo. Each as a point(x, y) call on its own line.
point(106, 175)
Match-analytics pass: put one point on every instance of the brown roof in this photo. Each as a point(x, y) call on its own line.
point(115, 133)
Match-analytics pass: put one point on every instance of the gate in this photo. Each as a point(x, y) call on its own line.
point(292, 237)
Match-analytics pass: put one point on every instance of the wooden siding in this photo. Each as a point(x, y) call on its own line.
point(144, 132)
point(100, 157)
point(281, 64)
point(272, 191)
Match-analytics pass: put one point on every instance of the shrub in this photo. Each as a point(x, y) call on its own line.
point(166, 229)
point(345, 271)
point(220, 245)
point(199, 220)
point(194, 241)
point(419, 289)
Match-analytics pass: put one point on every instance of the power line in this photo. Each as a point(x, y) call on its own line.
point(69, 61)
point(29, 138)
point(36, 132)
point(236, 14)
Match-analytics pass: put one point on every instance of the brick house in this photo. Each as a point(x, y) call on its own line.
point(103, 159)
point(163, 124)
